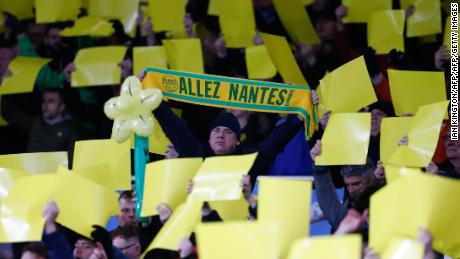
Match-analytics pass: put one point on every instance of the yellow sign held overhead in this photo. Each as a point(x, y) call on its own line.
point(237, 22)
point(231, 210)
point(89, 25)
point(391, 132)
point(389, 218)
point(24, 72)
point(94, 152)
point(184, 55)
point(284, 201)
point(144, 57)
point(359, 11)
point(166, 181)
point(124, 10)
point(259, 63)
point(283, 59)
point(49, 11)
point(393, 172)
point(22, 9)
point(34, 163)
point(345, 140)
point(98, 173)
point(338, 89)
point(98, 66)
point(295, 19)
point(423, 136)
point(385, 31)
point(425, 20)
point(242, 240)
point(167, 15)
point(179, 225)
point(402, 248)
point(344, 247)
point(219, 177)
point(412, 89)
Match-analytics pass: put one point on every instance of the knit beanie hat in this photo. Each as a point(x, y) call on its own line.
point(228, 120)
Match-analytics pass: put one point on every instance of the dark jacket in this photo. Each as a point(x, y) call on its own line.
point(188, 146)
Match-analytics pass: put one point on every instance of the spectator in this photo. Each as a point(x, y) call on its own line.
point(34, 251)
point(126, 240)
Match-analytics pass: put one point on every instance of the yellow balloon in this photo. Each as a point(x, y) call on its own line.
point(121, 129)
point(143, 124)
point(126, 104)
point(111, 109)
point(131, 86)
point(150, 98)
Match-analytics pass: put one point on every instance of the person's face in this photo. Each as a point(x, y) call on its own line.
point(30, 255)
point(356, 184)
point(36, 33)
point(53, 38)
point(326, 29)
point(83, 249)
point(376, 120)
point(452, 148)
point(223, 141)
point(52, 105)
point(129, 247)
point(127, 215)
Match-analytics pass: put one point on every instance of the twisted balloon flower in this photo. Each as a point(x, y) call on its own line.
point(132, 110)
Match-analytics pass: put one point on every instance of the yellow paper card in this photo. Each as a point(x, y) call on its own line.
point(21, 212)
point(7, 179)
point(328, 247)
point(76, 192)
point(283, 201)
point(89, 25)
point(166, 181)
point(237, 22)
point(338, 90)
point(295, 19)
point(242, 240)
point(359, 11)
point(423, 136)
point(402, 248)
point(144, 57)
point(385, 31)
point(393, 172)
point(213, 7)
point(184, 55)
point(124, 10)
point(167, 15)
point(22, 9)
point(49, 11)
point(423, 197)
point(391, 132)
point(219, 177)
point(412, 89)
point(345, 140)
point(282, 57)
point(94, 152)
point(34, 163)
point(98, 173)
point(24, 72)
point(447, 39)
point(98, 66)
point(426, 19)
point(259, 63)
point(231, 210)
point(179, 225)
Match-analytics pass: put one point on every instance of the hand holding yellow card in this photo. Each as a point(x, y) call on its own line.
point(144, 57)
point(124, 10)
point(345, 247)
point(391, 132)
point(237, 22)
point(24, 72)
point(423, 137)
point(345, 140)
point(98, 66)
point(284, 201)
point(425, 20)
point(89, 25)
point(22, 9)
point(219, 177)
point(242, 240)
point(167, 15)
point(166, 181)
